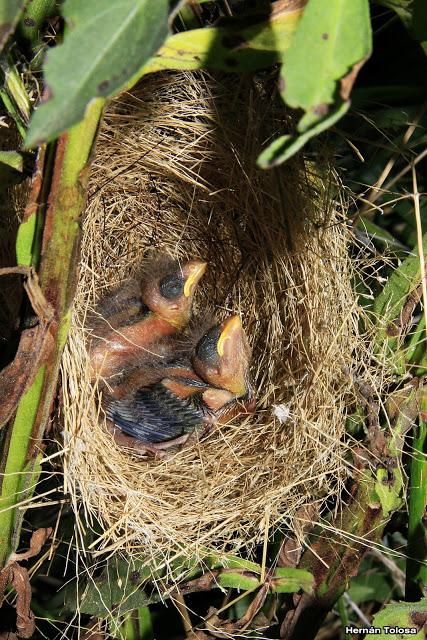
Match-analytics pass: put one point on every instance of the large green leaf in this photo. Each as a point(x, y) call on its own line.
point(10, 11)
point(243, 45)
point(389, 304)
point(332, 39)
point(104, 46)
point(286, 146)
point(117, 589)
point(410, 618)
point(332, 36)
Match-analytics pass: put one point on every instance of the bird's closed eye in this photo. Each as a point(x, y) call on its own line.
point(206, 349)
point(172, 286)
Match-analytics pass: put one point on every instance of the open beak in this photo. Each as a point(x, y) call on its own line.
point(192, 272)
point(231, 330)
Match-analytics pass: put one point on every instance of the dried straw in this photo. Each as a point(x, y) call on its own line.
point(175, 171)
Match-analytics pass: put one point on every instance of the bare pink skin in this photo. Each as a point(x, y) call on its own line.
point(113, 352)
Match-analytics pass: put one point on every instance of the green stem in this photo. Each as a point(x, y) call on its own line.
point(145, 624)
point(416, 564)
point(67, 182)
point(12, 490)
point(32, 19)
point(342, 610)
point(416, 344)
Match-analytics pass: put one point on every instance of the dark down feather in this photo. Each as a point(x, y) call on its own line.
point(154, 414)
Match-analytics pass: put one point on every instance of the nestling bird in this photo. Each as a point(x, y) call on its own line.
point(135, 318)
point(212, 385)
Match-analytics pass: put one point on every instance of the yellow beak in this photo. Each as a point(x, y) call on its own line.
point(230, 327)
point(192, 272)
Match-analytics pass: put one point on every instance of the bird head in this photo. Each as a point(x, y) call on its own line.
point(167, 289)
point(222, 357)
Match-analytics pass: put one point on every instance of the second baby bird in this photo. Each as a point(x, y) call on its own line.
point(135, 318)
point(212, 384)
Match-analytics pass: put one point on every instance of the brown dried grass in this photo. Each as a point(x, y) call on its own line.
point(175, 170)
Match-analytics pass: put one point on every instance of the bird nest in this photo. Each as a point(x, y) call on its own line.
point(175, 171)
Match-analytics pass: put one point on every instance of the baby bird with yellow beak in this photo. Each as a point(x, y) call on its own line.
point(212, 386)
point(134, 319)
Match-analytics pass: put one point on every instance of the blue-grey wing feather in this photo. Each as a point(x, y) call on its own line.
point(154, 414)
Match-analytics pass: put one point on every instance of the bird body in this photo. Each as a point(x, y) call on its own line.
point(211, 385)
point(112, 355)
point(132, 321)
point(155, 414)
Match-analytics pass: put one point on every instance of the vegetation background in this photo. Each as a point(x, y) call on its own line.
point(355, 76)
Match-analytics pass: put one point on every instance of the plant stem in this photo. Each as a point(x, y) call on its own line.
point(145, 624)
point(342, 610)
point(67, 179)
point(416, 563)
point(36, 12)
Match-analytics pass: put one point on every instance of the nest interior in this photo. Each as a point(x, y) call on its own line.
point(175, 172)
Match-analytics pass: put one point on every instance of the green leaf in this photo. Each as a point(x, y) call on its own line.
point(25, 239)
point(192, 568)
point(14, 94)
point(389, 303)
point(286, 146)
point(105, 45)
point(389, 490)
point(231, 562)
point(407, 616)
point(371, 587)
point(12, 159)
point(332, 37)
point(11, 168)
point(10, 11)
point(117, 589)
point(241, 46)
point(381, 235)
point(374, 582)
point(14, 167)
point(291, 580)
point(238, 581)
point(362, 592)
point(413, 14)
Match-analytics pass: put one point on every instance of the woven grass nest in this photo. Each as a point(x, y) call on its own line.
point(175, 172)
